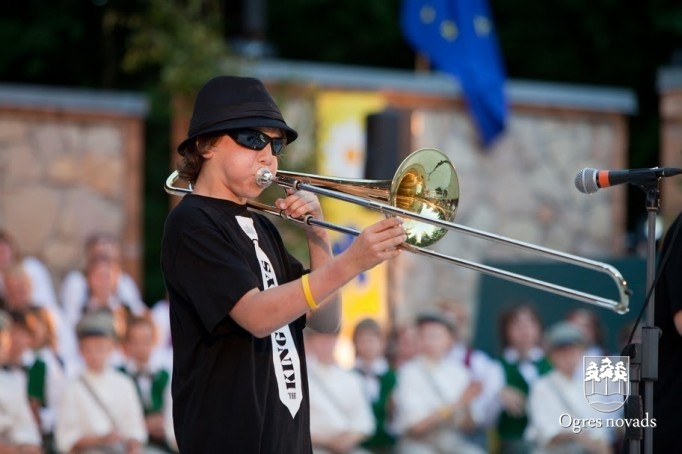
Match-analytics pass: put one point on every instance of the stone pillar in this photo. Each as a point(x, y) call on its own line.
point(71, 165)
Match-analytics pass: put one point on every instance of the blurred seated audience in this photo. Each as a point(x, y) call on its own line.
point(482, 368)
point(76, 288)
point(20, 357)
point(434, 394)
point(588, 323)
point(18, 299)
point(42, 288)
point(558, 394)
point(19, 432)
point(47, 373)
point(100, 410)
point(151, 378)
point(378, 380)
point(402, 346)
point(523, 362)
point(101, 276)
point(340, 414)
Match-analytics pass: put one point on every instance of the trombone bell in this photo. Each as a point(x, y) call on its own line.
point(425, 184)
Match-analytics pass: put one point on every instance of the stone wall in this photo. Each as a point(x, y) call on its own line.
point(70, 165)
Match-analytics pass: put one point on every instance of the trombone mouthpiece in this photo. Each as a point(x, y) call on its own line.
point(263, 177)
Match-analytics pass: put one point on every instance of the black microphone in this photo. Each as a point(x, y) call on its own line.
point(589, 181)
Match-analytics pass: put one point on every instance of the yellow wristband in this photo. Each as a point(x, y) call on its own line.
point(307, 293)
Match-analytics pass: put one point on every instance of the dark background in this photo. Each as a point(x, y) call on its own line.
point(83, 43)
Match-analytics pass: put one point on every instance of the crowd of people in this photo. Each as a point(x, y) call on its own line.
point(86, 365)
point(90, 369)
point(436, 394)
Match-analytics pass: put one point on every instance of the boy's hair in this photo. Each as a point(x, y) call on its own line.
point(193, 156)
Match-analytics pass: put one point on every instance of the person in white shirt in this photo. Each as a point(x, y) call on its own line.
point(42, 288)
point(74, 291)
point(101, 407)
point(588, 322)
point(18, 285)
point(522, 362)
point(434, 393)
point(482, 368)
point(378, 381)
point(150, 376)
point(18, 429)
point(340, 414)
point(558, 398)
point(48, 373)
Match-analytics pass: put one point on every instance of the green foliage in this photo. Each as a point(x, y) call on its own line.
point(182, 38)
point(51, 42)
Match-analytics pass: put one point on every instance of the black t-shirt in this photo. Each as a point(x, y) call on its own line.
point(668, 387)
point(225, 394)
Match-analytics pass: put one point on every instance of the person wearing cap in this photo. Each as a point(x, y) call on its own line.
point(434, 393)
point(238, 299)
point(557, 399)
point(19, 431)
point(99, 410)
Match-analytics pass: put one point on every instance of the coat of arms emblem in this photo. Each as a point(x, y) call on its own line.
point(606, 381)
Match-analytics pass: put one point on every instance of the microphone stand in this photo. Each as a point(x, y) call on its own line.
point(644, 359)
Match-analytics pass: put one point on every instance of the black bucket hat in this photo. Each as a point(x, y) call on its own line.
point(231, 102)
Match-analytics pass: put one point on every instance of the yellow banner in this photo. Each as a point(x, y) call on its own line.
point(341, 123)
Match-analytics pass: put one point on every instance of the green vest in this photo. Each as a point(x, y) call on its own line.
point(381, 408)
point(36, 378)
point(159, 380)
point(511, 427)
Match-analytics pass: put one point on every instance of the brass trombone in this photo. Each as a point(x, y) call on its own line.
point(425, 193)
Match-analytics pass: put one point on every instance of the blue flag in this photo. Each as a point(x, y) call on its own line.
point(458, 37)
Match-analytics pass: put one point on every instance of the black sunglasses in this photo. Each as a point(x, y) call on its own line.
point(256, 140)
